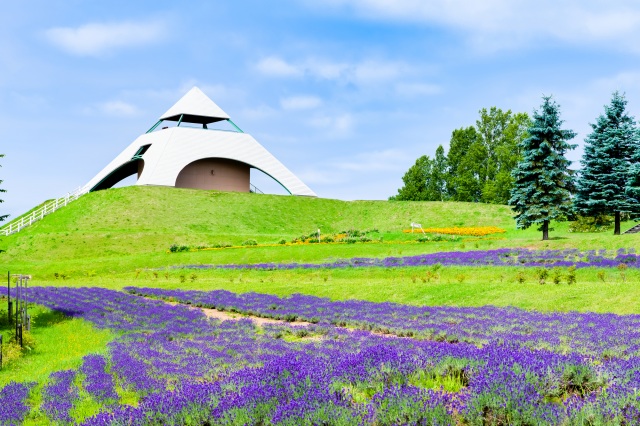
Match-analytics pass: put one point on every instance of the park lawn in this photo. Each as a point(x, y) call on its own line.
point(60, 343)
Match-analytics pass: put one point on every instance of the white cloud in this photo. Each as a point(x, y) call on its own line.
point(417, 89)
point(365, 73)
point(497, 24)
point(96, 39)
point(386, 160)
point(119, 108)
point(277, 67)
point(300, 102)
point(335, 126)
point(260, 112)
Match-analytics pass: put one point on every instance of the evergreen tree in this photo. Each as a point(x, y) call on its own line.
point(542, 179)
point(608, 155)
point(2, 217)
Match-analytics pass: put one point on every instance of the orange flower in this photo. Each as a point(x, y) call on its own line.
point(475, 231)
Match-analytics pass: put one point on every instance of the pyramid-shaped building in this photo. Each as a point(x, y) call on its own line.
point(182, 150)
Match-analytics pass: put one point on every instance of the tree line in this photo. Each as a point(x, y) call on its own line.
point(477, 167)
point(513, 159)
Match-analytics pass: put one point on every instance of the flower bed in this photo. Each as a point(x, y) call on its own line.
point(188, 369)
point(499, 257)
point(474, 231)
point(584, 333)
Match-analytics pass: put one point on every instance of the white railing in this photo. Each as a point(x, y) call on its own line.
point(49, 207)
point(254, 189)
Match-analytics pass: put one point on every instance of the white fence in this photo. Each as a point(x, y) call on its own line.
point(49, 207)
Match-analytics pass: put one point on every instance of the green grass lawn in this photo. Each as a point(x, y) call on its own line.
point(114, 238)
point(60, 343)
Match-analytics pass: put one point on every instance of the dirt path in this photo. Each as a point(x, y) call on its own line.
point(229, 316)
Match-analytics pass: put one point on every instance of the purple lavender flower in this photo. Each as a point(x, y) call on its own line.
point(13, 407)
point(59, 395)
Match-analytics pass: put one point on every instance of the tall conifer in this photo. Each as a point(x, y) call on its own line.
point(542, 179)
point(608, 156)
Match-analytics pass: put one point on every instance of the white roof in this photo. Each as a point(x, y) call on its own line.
point(197, 106)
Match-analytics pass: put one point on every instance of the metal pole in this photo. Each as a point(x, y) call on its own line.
point(26, 303)
point(9, 295)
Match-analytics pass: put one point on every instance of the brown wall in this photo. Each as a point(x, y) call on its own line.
point(215, 173)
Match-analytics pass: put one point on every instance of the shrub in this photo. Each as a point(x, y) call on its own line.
point(571, 275)
point(327, 239)
point(423, 239)
point(623, 267)
point(591, 224)
point(282, 241)
point(250, 243)
point(222, 245)
point(542, 275)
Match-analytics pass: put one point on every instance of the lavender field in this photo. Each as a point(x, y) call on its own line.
point(499, 257)
point(466, 366)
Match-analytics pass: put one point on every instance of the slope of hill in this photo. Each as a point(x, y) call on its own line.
point(128, 229)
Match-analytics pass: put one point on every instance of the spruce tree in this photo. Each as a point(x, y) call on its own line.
point(608, 155)
point(542, 179)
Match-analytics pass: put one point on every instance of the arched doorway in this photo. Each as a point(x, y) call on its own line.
point(124, 171)
point(215, 173)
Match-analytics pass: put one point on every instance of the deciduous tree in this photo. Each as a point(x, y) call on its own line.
point(415, 181)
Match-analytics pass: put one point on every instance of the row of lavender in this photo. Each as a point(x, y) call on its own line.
point(498, 257)
point(585, 333)
point(188, 369)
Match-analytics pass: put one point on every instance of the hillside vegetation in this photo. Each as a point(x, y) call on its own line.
point(121, 237)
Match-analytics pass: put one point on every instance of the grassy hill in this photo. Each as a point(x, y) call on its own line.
point(136, 220)
point(121, 237)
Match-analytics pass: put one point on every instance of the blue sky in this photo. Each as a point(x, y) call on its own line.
point(346, 93)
